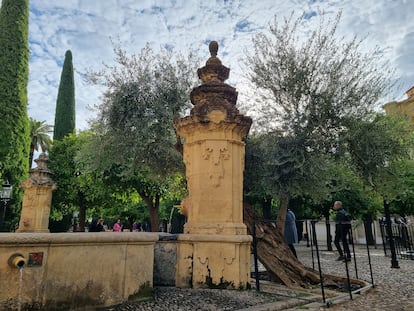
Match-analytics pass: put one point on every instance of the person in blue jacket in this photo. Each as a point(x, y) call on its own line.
point(291, 232)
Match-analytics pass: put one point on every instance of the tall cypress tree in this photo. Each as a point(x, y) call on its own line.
point(65, 104)
point(14, 74)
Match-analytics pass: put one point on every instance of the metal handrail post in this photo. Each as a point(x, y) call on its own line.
point(346, 264)
point(311, 230)
point(369, 262)
point(394, 261)
point(351, 237)
point(256, 265)
point(317, 256)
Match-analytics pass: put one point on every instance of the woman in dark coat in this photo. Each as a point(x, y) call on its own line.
point(291, 232)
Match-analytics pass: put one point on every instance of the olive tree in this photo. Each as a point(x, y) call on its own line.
point(135, 137)
point(308, 91)
point(312, 89)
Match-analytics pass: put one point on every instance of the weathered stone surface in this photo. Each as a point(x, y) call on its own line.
point(165, 262)
point(214, 153)
point(76, 269)
point(214, 261)
point(214, 158)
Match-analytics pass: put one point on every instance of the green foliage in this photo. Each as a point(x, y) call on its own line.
point(145, 94)
point(348, 187)
point(379, 150)
point(62, 164)
point(376, 165)
point(65, 104)
point(135, 143)
point(404, 202)
point(14, 128)
point(280, 164)
point(77, 188)
point(358, 203)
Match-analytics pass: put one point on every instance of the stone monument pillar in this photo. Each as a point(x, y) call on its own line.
point(37, 198)
point(214, 153)
point(214, 159)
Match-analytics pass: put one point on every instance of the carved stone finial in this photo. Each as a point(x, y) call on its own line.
point(214, 100)
point(41, 175)
point(42, 160)
point(213, 71)
point(213, 47)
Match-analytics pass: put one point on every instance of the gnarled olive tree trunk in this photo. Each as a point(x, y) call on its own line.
point(272, 251)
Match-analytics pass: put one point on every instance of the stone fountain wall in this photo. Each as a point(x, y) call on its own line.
point(66, 271)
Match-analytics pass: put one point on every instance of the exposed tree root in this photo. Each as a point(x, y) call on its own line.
point(282, 266)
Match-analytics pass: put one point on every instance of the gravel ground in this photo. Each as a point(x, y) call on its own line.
point(393, 289)
point(174, 299)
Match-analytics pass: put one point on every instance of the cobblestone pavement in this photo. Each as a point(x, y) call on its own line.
point(393, 289)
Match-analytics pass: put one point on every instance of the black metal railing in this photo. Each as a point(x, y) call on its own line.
point(403, 237)
point(310, 235)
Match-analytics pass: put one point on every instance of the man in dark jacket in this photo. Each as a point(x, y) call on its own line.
point(342, 227)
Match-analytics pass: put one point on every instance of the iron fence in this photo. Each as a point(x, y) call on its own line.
point(403, 237)
point(312, 241)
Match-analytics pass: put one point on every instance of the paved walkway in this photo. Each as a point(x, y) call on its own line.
point(393, 289)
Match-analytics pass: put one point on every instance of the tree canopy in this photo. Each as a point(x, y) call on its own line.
point(135, 138)
point(79, 190)
point(313, 87)
point(309, 92)
point(380, 150)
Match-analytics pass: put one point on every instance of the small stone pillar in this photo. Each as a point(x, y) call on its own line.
point(37, 198)
point(214, 160)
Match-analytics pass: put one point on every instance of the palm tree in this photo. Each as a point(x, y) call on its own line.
point(39, 137)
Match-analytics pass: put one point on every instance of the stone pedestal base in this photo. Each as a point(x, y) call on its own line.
point(213, 261)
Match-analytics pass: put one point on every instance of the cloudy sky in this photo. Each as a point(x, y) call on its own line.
point(86, 27)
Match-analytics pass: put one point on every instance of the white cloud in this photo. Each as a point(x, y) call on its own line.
point(85, 27)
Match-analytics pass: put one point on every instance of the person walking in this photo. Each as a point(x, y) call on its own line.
point(342, 227)
point(291, 232)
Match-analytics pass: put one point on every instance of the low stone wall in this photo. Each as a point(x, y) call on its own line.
point(67, 270)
